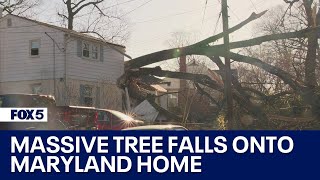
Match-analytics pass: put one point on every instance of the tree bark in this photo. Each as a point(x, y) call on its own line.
point(311, 64)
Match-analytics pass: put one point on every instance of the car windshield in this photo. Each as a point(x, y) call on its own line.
point(121, 115)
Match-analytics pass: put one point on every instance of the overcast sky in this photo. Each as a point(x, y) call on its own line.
point(168, 16)
point(152, 22)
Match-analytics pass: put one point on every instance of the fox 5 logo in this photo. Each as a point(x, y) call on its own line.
point(23, 115)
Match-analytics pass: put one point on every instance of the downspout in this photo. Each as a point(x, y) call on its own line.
point(67, 102)
point(54, 70)
point(1, 11)
point(54, 64)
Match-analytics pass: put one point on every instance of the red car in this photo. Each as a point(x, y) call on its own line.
point(114, 120)
point(77, 117)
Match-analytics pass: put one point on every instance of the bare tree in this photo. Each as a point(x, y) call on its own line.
point(96, 19)
point(19, 7)
point(74, 7)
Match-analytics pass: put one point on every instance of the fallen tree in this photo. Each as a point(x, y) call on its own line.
point(205, 48)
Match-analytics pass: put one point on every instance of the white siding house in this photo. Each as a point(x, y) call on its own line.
point(77, 69)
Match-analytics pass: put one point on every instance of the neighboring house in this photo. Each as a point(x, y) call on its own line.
point(179, 87)
point(77, 69)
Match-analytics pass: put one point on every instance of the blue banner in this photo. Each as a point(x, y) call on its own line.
point(159, 154)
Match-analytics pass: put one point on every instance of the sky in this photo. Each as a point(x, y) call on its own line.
point(169, 16)
point(152, 22)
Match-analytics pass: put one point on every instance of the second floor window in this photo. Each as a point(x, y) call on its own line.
point(34, 47)
point(85, 50)
point(94, 52)
point(88, 50)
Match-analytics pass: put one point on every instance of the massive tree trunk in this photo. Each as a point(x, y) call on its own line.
point(311, 64)
point(70, 15)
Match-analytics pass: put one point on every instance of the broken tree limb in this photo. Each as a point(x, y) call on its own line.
point(189, 50)
point(203, 80)
point(259, 40)
point(211, 51)
point(205, 93)
point(308, 95)
point(254, 110)
point(286, 77)
point(214, 38)
point(200, 78)
point(265, 97)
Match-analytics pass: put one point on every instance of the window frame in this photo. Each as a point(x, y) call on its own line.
point(97, 52)
point(30, 47)
point(91, 45)
point(82, 49)
point(85, 96)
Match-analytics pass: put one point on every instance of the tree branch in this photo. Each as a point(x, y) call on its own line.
point(192, 49)
point(252, 17)
point(85, 5)
point(286, 77)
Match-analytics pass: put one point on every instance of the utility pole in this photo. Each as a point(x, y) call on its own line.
point(228, 74)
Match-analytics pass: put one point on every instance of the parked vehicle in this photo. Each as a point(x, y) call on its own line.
point(30, 100)
point(88, 118)
point(65, 117)
point(77, 117)
point(115, 120)
point(157, 128)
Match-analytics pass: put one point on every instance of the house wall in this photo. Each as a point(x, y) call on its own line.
point(26, 87)
point(109, 96)
point(16, 62)
point(107, 69)
point(19, 71)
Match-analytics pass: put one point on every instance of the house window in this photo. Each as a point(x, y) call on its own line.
point(86, 50)
point(34, 47)
point(86, 95)
point(94, 52)
point(36, 89)
point(9, 22)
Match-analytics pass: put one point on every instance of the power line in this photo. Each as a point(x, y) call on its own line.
point(253, 5)
point(125, 14)
point(168, 16)
point(216, 28)
point(118, 4)
point(129, 12)
point(204, 12)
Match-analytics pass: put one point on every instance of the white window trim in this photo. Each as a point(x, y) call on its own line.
point(30, 46)
point(90, 51)
point(98, 51)
point(92, 92)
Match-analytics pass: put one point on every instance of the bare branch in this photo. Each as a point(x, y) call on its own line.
point(87, 4)
point(192, 49)
point(252, 17)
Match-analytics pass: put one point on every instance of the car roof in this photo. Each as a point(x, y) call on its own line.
point(156, 127)
point(79, 107)
point(30, 95)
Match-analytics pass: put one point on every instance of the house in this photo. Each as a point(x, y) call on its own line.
point(184, 89)
point(76, 69)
